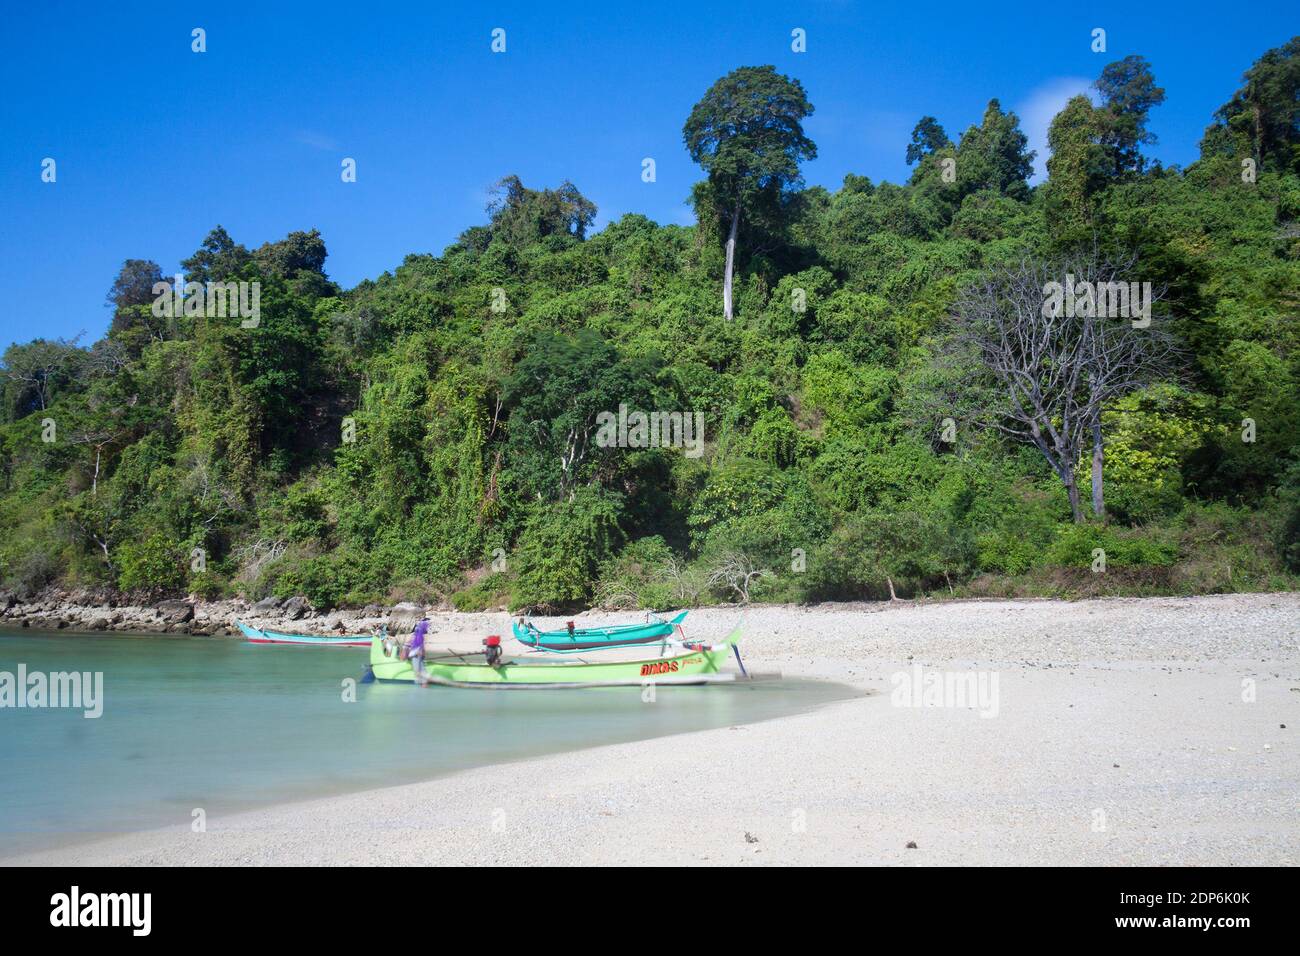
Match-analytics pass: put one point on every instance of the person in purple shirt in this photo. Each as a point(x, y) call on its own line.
point(415, 651)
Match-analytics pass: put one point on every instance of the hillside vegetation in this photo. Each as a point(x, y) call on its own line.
point(434, 433)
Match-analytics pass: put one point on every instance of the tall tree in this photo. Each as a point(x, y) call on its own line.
point(1076, 170)
point(522, 216)
point(1128, 93)
point(994, 156)
point(219, 258)
point(927, 136)
point(747, 133)
point(1262, 120)
point(131, 297)
point(134, 284)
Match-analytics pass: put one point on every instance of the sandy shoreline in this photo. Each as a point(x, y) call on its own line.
point(1119, 735)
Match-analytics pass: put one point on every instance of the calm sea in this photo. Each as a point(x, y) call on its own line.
point(225, 726)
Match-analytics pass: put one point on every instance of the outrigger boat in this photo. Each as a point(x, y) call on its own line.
point(256, 636)
point(594, 638)
point(695, 664)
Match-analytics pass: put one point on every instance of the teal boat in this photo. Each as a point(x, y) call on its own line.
point(594, 638)
point(258, 636)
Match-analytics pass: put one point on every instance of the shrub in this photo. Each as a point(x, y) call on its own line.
point(153, 564)
point(1288, 535)
point(1074, 546)
point(562, 547)
point(639, 576)
point(327, 580)
point(491, 590)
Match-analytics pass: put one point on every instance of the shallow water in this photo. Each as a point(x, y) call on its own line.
point(225, 726)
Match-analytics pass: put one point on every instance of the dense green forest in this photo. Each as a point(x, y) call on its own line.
point(435, 433)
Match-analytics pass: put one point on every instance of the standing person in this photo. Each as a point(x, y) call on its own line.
point(415, 652)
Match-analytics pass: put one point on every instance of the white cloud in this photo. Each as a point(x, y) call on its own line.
point(316, 140)
point(1039, 109)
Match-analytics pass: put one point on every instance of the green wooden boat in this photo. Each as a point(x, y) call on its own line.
point(694, 664)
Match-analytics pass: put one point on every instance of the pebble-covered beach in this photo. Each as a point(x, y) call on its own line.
point(1118, 731)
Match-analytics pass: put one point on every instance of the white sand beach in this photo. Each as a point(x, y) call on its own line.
point(1122, 731)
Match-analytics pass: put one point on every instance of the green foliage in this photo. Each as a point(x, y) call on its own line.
point(1128, 93)
point(887, 551)
point(152, 564)
point(1075, 546)
point(378, 442)
point(489, 591)
point(562, 547)
point(994, 155)
point(644, 574)
point(1259, 121)
point(1288, 535)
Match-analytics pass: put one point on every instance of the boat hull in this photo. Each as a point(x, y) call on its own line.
point(691, 667)
point(593, 638)
point(256, 636)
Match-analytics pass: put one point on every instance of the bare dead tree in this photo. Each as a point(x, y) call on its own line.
point(684, 581)
point(101, 440)
point(106, 357)
point(737, 571)
point(257, 555)
point(207, 483)
point(1053, 367)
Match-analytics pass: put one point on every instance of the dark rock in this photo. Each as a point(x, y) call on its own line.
point(296, 607)
point(266, 606)
point(174, 612)
point(98, 624)
point(911, 844)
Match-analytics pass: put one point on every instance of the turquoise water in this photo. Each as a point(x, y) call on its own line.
point(227, 726)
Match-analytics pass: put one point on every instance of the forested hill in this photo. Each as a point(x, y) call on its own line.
point(467, 427)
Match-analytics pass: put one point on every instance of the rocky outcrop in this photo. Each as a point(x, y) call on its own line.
point(403, 617)
point(174, 613)
point(296, 608)
point(91, 611)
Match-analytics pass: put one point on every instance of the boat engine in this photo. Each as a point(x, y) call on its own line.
point(492, 649)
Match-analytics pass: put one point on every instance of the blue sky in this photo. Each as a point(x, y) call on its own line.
point(156, 144)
